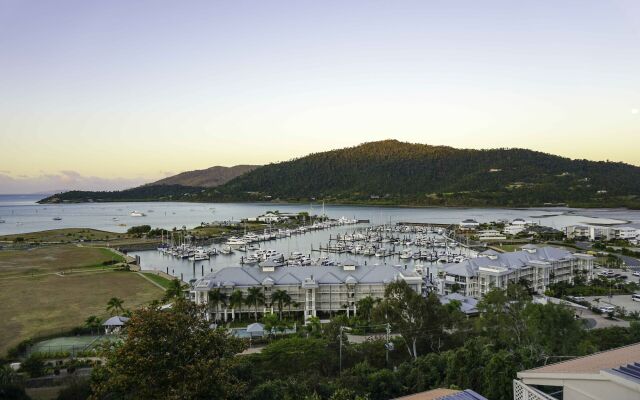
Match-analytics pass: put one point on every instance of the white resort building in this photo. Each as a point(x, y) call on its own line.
point(539, 266)
point(315, 290)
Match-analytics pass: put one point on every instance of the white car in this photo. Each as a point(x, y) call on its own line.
point(578, 298)
point(607, 309)
point(637, 273)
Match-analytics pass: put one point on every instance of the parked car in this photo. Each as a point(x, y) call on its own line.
point(607, 309)
point(637, 273)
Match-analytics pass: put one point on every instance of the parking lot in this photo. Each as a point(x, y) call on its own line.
point(621, 300)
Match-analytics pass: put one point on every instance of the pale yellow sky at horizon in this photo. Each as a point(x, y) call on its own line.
point(106, 95)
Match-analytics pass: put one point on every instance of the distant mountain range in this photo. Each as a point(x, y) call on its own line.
point(396, 173)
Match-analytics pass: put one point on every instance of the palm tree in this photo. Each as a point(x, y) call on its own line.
point(281, 298)
point(254, 297)
point(217, 297)
point(174, 290)
point(114, 305)
point(92, 322)
point(236, 300)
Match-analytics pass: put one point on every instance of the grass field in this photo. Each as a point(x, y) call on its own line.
point(65, 235)
point(36, 299)
point(164, 282)
point(52, 259)
point(49, 304)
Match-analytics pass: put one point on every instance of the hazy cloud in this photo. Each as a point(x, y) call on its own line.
point(63, 181)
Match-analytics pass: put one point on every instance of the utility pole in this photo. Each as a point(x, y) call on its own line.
point(386, 345)
point(342, 329)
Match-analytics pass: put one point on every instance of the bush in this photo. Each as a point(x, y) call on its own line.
point(20, 348)
point(138, 230)
point(34, 366)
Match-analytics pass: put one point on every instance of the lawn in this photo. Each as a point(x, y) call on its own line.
point(54, 259)
point(162, 281)
point(49, 304)
point(65, 235)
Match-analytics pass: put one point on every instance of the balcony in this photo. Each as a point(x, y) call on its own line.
point(524, 392)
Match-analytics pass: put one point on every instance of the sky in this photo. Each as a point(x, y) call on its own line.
point(110, 94)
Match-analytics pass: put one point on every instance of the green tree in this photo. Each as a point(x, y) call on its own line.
point(236, 300)
point(217, 298)
point(281, 298)
point(34, 366)
point(10, 388)
point(115, 305)
point(174, 290)
point(92, 322)
point(416, 319)
point(255, 297)
point(365, 307)
point(161, 348)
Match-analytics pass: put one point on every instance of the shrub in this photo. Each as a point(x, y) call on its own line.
point(34, 366)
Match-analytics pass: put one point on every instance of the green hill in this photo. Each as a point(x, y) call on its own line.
point(393, 172)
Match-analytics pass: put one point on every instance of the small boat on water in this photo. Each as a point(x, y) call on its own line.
point(250, 260)
point(2, 221)
point(226, 250)
point(137, 214)
point(235, 241)
point(57, 219)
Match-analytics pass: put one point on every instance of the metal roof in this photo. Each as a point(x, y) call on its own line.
point(247, 276)
point(115, 321)
point(511, 260)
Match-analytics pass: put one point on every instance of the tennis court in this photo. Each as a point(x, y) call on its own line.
point(69, 344)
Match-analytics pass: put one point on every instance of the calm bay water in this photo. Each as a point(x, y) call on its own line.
point(21, 214)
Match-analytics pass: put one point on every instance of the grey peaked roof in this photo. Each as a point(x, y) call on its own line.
point(468, 305)
point(512, 260)
point(116, 321)
point(323, 275)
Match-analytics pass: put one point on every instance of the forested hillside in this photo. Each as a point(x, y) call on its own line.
point(210, 177)
point(396, 173)
point(421, 174)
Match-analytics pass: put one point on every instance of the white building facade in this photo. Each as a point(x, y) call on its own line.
point(539, 267)
point(316, 291)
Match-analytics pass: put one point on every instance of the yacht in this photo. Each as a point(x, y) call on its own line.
point(226, 250)
point(137, 214)
point(199, 256)
point(406, 254)
point(250, 260)
point(235, 241)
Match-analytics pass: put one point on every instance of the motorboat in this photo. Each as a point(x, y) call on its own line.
point(199, 256)
point(226, 250)
point(57, 219)
point(137, 214)
point(252, 259)
point(235, 241)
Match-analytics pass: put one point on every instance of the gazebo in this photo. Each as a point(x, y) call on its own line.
point(255, 330)
point(114, 324)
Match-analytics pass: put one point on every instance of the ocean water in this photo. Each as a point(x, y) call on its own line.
point(22, 214)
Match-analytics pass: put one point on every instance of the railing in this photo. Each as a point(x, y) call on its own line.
point(524, 392)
